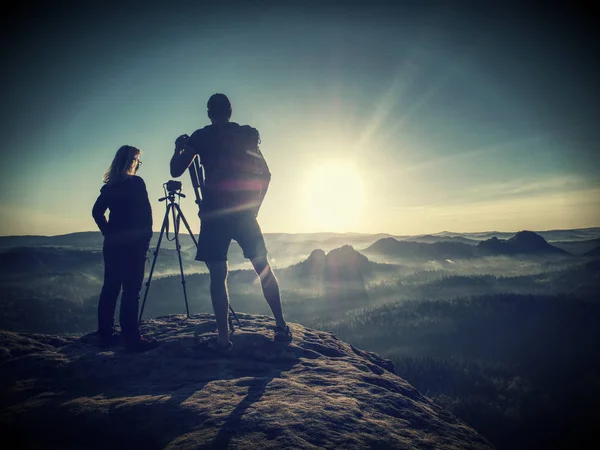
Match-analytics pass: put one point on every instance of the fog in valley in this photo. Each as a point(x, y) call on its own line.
point(500, 328)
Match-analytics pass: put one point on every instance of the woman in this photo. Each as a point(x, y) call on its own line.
point(127, 235)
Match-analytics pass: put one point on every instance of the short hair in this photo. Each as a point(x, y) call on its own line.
point(219, 106)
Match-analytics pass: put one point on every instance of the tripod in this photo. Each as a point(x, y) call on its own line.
point(173, 188)
point(177, 214)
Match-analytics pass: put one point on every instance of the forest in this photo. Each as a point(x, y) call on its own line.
point(508, 343)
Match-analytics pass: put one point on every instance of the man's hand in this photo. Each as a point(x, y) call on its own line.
point(181, 141)
point(183, 156)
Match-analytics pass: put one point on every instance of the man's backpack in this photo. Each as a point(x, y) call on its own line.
point(236, 171)
point(242, 153)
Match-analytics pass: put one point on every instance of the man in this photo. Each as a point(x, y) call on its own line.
point(237, 178)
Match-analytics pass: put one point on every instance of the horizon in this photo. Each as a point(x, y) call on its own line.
point(343, 232)
point(413, 119)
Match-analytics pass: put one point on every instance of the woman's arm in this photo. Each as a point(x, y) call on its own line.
point(98, 211)
point(147, 206)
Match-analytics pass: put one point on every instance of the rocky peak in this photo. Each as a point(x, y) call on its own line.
point(317, 392)
point(317, 256)
point(523, 242)
point(343, 262)
point(346, 257)
point(528, 240)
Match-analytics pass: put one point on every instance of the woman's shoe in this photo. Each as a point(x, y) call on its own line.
point(108, 339)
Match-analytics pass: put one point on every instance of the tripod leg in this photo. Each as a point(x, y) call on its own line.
point(236, 318)
point(187, 225)
point(162, 230)
point(231, 328)
point(178, 247)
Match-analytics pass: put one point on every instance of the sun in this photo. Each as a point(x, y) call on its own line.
point(334, 197)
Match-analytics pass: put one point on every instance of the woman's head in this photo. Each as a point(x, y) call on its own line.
point(125, 163)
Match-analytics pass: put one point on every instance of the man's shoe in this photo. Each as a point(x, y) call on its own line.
point(213, 345)
point(141, 345)
point(283, 334)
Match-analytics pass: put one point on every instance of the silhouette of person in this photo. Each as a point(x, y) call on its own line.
point(237, 178)
point(127, 235)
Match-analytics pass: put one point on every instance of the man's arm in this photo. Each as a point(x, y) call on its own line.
point(181, 160)
point(183, 156)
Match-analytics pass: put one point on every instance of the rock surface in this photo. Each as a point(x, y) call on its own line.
point(316, 392)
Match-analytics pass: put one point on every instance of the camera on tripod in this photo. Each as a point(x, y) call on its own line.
point(173, 186)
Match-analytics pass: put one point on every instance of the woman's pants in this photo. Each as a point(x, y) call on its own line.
point(124, 265)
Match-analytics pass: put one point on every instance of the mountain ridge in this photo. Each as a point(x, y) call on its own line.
point(523, 242)
point(95, 237)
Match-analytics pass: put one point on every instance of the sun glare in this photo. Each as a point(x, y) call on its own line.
point(334, 197)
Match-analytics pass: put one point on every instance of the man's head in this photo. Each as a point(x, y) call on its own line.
point(219, 108)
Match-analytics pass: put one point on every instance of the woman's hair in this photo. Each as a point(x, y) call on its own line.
point(123, 165)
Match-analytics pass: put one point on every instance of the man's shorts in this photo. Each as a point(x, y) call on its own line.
point(216, 234)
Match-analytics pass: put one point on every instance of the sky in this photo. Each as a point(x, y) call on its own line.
point(407, 119)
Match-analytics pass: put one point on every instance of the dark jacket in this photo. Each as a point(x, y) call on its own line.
point(130, 211)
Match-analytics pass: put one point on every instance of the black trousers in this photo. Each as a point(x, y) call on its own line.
point(124, 265)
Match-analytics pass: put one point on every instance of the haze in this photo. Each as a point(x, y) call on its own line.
point(429, 118)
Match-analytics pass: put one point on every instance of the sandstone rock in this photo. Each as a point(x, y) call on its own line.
point(316, 392)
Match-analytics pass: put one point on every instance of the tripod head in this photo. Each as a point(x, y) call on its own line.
point(171, 189)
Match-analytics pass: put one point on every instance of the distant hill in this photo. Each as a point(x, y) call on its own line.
point(94, 239)
point(431, 238)
point(578, 247)
point(85, 239)
point(353, 239)
point(340, 275)
point(29, 263)
point(421, 250)
point(524, 242)
point(593, 252)
point(45, 260)
point(577, 234)
point(344, 261)
point(476, 236)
